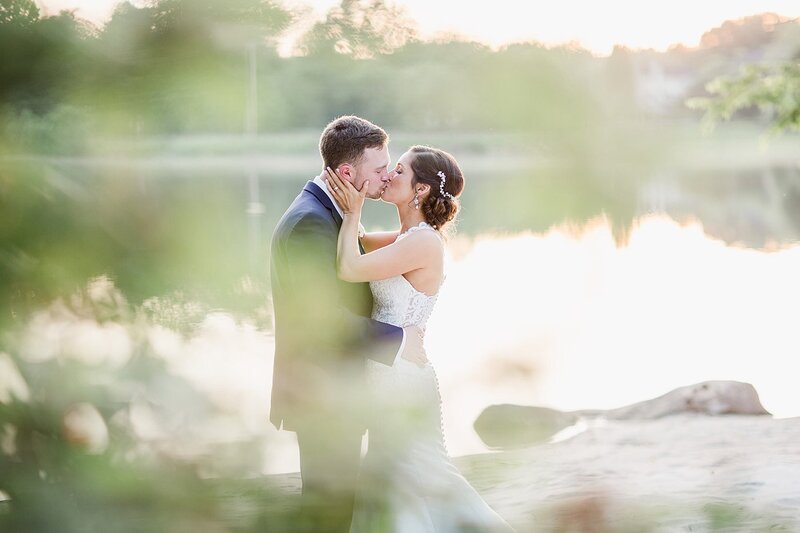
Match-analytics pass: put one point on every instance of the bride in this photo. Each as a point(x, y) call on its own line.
point(407, 482)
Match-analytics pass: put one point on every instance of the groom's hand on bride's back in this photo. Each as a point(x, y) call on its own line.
point(413, 349)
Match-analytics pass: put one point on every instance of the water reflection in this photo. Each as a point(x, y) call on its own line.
point(189, 224)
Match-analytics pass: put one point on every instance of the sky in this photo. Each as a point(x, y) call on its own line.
point(597, 26)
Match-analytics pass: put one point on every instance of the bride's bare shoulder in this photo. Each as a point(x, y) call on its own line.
point(426, 243)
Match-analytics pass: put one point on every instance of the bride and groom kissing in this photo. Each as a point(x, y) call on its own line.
point(350, 311)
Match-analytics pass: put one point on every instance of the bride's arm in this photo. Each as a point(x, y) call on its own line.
point(378, 239)
point(409, 254)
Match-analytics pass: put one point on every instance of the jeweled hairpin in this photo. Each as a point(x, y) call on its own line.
point(441, 186)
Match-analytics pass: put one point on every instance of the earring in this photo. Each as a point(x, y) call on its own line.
point(416, 200)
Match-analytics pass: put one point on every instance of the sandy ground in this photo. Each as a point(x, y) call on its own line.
point(679, 473)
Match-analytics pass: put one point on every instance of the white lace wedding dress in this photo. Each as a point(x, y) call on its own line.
point(407, 482)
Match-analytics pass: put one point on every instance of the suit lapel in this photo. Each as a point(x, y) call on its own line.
point(323, 198)
point(358, 295)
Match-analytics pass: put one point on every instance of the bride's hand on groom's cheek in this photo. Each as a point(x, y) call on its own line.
point(346, 195)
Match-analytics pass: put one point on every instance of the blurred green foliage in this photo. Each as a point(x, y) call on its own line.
point(359, 29)
point(766, 86)
point(773, 89)
point(181, 66)
point(61, 226)
point(107, 435)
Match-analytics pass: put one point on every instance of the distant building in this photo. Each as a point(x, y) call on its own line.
point(657, 90)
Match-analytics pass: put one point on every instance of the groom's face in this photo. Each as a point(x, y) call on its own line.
point(374, 167)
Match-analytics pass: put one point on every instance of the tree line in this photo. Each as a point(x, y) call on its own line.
point(184, 66)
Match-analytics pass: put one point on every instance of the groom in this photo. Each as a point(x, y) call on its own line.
point(323, 333)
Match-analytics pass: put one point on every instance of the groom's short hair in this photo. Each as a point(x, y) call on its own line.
point(345, 139)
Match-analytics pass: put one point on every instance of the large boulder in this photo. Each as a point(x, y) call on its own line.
point(708, 397)
point(514, 426)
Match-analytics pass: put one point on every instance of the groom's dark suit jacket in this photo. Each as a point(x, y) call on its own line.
point(323, 332)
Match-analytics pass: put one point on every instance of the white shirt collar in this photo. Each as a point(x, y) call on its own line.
point(321, 184)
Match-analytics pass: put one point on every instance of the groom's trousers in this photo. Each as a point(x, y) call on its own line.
point(329, 462)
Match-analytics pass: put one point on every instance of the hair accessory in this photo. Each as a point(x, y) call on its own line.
point(441, 186)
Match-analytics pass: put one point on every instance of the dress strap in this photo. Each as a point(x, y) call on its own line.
point(420, 226)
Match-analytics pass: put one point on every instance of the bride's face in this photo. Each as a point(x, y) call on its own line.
point(400, 189)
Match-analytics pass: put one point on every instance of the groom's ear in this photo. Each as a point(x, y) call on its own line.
point(346, 172)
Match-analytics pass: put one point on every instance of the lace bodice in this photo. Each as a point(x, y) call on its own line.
point(397, 302)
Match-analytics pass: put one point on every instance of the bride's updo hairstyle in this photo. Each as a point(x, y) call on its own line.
point(429, 165)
